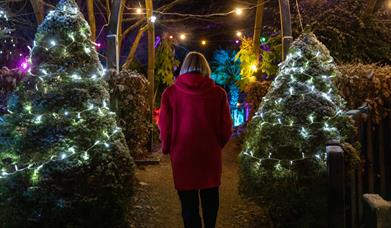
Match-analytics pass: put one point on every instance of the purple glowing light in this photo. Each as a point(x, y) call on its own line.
point(98, 45)
point(24, 66)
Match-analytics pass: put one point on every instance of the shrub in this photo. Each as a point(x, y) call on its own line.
point(129, 98)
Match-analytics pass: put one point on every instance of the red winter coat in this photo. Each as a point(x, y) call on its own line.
point(195, 124)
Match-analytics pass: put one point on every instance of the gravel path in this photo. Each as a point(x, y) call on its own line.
point(156, 204)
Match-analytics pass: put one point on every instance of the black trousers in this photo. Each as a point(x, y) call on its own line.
point(190, 202)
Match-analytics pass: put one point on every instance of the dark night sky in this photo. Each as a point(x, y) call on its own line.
point(219, 31)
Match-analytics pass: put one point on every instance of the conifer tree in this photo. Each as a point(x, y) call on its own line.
point(284, 156)
point(63, 160)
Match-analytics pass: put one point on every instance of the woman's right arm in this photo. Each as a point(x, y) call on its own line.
point(165, 123)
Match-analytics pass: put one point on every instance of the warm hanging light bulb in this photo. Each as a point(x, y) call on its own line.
point(239, 34)
point(238, 11)
point(182, 36)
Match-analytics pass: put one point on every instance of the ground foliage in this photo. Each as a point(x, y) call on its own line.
point(63, 160)
point(283, 161)
point(129, 99)
point(366, 85)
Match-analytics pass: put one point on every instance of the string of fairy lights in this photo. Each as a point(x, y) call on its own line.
point(183, 36)
point(76, 117)
point(287, 69)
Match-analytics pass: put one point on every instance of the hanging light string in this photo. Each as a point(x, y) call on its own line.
point(38, 119)
point(302, 131)
point(194, 15)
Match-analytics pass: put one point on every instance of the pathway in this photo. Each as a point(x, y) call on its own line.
point(156, 204)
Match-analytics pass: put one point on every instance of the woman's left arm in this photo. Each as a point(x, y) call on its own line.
point(226, 121)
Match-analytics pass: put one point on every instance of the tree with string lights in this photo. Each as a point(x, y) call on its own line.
point(63, 160)
point(283, 161)
point(7, 41)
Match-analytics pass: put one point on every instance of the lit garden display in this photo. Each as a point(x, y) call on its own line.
point(283, 160)
point(63, 158)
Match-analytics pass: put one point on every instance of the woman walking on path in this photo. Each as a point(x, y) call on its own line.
point(195, 124)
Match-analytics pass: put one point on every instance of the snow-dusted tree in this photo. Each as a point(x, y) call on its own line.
point(7, 41)
point(284, 159)
point(63, 160)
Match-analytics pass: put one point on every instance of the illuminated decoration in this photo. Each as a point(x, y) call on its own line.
point(8, 51)
point(24, 66)
point(153, 19)
point(139, 11)
point(239, 34)
point(238, 11)
point(389, 4)
point(226, 73)
point(182, 36)
point(61, 144)
point(98, 45)
point(171, 37)
point(203, 42)
point(248, 63)
point(237, 41)
point(263, 40)
point(286, 139)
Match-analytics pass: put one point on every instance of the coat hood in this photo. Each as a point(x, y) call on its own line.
point(194, 83)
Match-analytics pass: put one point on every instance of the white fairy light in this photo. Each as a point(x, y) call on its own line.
point(72, 150)
point(38, 119)
point(63, 156)
point(304, 133)
point(75, 77)
point(85, 156)
point(53, 43)
point(87, 50)
point(153, 19)
point(311, 118)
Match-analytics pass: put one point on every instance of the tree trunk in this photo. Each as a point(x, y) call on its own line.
point(258, 26)
point(135, 44)
point(286, 27)
point(108, 10)
point(151, 59)
point(372, 7)
point(114, 32)
point(91, 19)
point(39, 10)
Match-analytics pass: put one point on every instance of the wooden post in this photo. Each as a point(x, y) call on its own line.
point(258, 26)
point(114, 30)
point(381, 160)
point(151, 60)
point(286, 27)
point(336, 176)
point(355, 194)
point(91, 19)
point(39, 10)
point(371, 172)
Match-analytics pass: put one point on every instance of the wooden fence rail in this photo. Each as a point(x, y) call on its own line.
point(372, 176)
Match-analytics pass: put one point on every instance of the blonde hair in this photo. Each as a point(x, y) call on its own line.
point(195, 62)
